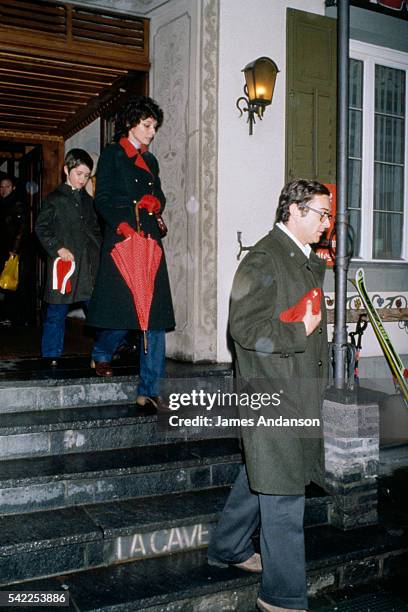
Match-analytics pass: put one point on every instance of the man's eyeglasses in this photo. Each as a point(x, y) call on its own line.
point(323, 214)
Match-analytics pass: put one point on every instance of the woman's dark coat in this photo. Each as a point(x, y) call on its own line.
point(68, 219)
point(119, 186)
point(279, 358)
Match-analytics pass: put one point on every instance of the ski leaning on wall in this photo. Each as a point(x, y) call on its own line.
point(399, 372)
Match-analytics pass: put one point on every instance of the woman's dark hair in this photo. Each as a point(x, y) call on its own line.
point(77, 157)
point(136, 109)
point(300, 192)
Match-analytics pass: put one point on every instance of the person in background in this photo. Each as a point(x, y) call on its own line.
point(13, 234)
point(68, 229)
point(127, 171)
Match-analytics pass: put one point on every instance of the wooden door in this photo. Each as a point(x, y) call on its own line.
point(311, 97)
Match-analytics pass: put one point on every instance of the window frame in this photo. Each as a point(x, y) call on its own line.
point(371, 55)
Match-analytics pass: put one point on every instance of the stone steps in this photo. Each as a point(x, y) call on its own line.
point(90, 428)
point(57, 393)
point(40, 483)
point(116, 509)
point(52, 542)
point(184, 582)
point(75, 430)
point(32, 386)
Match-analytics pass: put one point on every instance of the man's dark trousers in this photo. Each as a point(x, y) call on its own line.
point(281, 538)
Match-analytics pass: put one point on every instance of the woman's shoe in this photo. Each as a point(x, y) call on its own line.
point(155, 401)
point(145, 402)
point(102, 368)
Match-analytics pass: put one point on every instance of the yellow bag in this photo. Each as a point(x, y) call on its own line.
point(9, 276)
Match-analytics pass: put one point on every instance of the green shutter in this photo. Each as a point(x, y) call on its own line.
point(311, 97)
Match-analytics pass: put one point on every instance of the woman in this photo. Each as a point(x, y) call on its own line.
point(126, 173)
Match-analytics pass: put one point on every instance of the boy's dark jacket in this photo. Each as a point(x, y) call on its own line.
point(68, 219)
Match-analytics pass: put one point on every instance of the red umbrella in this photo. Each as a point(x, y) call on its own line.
point(137, 259)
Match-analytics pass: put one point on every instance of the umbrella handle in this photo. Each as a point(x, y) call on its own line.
point(145, 342)
point(138, 223)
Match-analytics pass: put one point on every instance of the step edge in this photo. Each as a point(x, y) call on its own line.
point(148, 468)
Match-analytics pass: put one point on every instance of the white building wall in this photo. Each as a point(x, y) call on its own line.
point(88, 138)
point(183, 79)
point(250, 168)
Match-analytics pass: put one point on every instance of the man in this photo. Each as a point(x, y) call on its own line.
point(13, 236)
point(290, 359)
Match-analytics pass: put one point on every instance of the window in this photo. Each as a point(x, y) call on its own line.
point(378, 152)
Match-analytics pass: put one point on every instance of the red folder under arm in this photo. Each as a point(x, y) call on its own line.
point(296, 313)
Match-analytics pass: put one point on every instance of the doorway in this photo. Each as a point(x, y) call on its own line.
point(22, 164)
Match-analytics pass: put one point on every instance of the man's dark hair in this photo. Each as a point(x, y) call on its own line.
point(136, 109)
point(77, 157)
point(300, 192)
point(9, 178)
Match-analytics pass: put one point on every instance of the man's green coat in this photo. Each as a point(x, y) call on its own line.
point(280, 358)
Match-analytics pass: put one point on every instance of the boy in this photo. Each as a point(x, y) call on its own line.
point(68, 229)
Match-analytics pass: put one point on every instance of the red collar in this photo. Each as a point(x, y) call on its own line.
point(131, 151)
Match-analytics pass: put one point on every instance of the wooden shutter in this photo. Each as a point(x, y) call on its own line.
point(311, 97)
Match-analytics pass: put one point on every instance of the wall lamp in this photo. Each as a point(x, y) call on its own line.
point(260, 77)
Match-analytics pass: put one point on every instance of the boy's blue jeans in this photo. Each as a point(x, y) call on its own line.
point(152, 364)
point(52, 341)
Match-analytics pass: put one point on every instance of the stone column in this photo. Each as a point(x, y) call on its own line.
point(184, 80)
point(351, 437)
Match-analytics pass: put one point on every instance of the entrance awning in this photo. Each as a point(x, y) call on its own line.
point(61, 65)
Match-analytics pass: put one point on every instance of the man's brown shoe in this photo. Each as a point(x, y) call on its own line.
point(102, 368)
point(252, 564)
point(265, 607)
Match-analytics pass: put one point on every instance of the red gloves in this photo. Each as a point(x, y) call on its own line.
point(124, 229)
point(150, 203)
point(296, 313)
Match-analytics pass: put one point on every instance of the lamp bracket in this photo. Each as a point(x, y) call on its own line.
point(251, 109)
point(241, 247)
